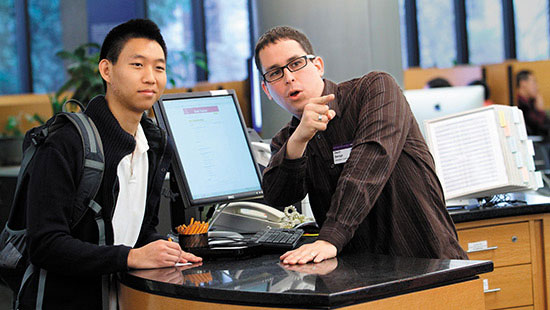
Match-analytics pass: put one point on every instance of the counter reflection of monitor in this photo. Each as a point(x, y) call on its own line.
point(431, 103)
point(213, 160)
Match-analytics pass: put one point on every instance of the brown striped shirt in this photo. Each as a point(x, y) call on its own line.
point(386, 198)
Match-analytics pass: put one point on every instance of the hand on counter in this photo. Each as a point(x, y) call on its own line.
point(158, 254)
point(170, 275)
point(323, 268)
point(316, 252)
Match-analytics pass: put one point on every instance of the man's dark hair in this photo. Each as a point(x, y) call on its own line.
point(523, 75)
point(135, 28)
point(280, 33)
point(438, 82)
point(485, 87)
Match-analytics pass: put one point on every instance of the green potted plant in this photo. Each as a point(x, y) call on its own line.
point(83, 80)
point(11, 139)
point(83, 76)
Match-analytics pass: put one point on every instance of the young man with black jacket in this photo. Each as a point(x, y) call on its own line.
point(137, 155)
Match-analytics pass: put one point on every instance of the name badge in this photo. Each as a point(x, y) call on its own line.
point(340, 153)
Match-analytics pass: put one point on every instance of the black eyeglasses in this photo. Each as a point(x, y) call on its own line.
point(293, 66)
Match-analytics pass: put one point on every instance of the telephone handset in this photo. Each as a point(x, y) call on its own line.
point(248, 217)
point(255, 210)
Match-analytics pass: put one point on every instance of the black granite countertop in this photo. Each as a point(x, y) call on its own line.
point(526, 203)
point(341, 281)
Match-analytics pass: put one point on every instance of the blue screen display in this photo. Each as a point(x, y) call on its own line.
point(212, 146)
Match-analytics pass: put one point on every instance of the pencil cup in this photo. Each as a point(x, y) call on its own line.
point(193, 241)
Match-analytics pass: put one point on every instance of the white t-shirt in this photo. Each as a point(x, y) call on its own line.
point(132, 174)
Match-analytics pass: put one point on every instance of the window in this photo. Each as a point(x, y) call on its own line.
point(436, 33)
point(485, 31)
point(404, 54)
point(176, 24)
point(226, 36)
point(487, 25)
point(531, 19)
point(46, 40)
point(9, 81)
point(227, 39)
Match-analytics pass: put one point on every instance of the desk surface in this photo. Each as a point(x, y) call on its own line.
point(263, 281)
point(534, 203)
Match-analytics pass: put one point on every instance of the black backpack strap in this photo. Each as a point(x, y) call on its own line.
point(94, 165)
point(36, 137)
point(92, 175)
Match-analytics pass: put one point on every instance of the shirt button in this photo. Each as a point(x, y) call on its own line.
point(318, 136)
point(332, 166)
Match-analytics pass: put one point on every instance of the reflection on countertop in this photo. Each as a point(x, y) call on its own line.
point(265, 281)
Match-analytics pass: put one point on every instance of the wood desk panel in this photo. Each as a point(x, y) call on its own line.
point(522, 285)
point(464, 295)
point(512, 242)
point(515, 284)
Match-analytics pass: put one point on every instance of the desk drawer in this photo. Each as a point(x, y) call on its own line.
point(505, 245)
point(509, 287)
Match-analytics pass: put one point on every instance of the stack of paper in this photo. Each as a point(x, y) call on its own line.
point(483, 152)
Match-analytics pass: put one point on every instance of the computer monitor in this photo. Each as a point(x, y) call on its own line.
point(482, 152)
point(431, 103)
point(213, 160)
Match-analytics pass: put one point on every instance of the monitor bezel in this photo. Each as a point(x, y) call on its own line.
point(177, 166)
point(452, 100)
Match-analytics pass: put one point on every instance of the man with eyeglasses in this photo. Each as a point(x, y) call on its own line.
point(357, 150)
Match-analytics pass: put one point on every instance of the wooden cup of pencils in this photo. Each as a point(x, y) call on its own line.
point(194, 235)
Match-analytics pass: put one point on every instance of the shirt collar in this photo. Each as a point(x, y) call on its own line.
point(141, 141)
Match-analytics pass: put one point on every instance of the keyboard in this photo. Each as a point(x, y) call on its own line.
point(278, 238)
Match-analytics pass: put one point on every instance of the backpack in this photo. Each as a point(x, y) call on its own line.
point(15, 266)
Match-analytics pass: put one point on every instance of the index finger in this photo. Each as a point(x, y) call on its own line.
point(189, 257)
point(172, 245)
point(322, 100)
point(287, 253)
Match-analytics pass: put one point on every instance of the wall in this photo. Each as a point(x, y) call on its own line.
point(74, 22)
point(352, 36)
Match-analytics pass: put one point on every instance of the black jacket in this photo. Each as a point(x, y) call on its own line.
point(73, 260)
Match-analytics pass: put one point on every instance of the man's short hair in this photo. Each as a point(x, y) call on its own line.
point(523, 75)
point(438, 82)
point(280, 33)
point(484, 85)
point(135, 28)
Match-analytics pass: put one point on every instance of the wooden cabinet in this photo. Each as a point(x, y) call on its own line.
point(505, 245)
point(463, 295)
point(510, 286)
point(520, 256)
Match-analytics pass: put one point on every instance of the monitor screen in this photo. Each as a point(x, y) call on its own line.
point(430, 103)
point(213, 160)
point(482, 152)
